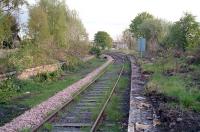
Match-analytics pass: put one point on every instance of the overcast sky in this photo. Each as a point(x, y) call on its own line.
point(114, 16)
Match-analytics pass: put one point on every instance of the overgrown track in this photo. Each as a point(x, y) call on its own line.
point(85, 111)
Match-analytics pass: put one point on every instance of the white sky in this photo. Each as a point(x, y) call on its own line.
point(114, 16)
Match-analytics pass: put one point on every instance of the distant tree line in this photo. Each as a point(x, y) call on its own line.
point(180, 36)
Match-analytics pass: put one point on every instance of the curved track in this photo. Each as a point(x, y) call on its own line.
point(83, 113)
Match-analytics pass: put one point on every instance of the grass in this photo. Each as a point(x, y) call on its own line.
point(41, 91)
point(178, 85)
point(114, 111)
point(159, 65)
point(95, 111)
point(110, 82)
point(25, 130)
point(33, 92)
point(47, 127)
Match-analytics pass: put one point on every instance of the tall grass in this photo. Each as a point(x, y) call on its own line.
point(178, 85)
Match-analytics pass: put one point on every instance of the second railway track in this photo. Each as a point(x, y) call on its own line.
point(85, 111)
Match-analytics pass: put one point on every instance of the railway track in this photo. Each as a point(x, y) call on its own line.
point(85, 111)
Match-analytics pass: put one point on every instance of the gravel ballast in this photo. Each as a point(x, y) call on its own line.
point(37, 114)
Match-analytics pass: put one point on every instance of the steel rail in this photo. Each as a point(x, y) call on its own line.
point(35, 129)
point(94, 126)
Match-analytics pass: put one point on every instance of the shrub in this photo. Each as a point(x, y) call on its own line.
point(7, 90)
point(71, 64)
point(95, 51)
point(28, 56)
point(47, 77)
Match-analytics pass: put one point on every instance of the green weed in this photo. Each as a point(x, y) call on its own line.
point(178, 85)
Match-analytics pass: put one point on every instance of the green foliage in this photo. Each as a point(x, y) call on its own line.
point(38, 24)
point(41, 91)
point(64, 24)
point(8, 89)
point(54, 34)
point(181, 35)
point(47, 77)
point(34, 92)
point(154, 30)
point(114, 112)
point(95, 51)
point(47, 127)
point(113, 109)
point(49, 18)
point(72, 63)
point(8, 27)
point(184, 33)
point(102, 39)
point(25, 130)
point(139, 19)
point(150, 28)
point(10, 5)
point(30, 56)
point(176, 85)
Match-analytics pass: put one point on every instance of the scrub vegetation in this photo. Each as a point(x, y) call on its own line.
point(170, 67)
point(53, 34)
point(20, 95)
point(117, 110)
point(172, 56)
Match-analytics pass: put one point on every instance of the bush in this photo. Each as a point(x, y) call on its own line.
point(71, 64)
point(7, 90)
point(95, 51)
point(47, 77)
point(30, 55)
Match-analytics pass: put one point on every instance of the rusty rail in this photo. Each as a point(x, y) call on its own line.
point(35, 129)
point(95, 125)
point(97, 121)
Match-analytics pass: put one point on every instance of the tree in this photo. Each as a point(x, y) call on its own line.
point(9, 27)
point(7, 6)
point(38, 24)
point(5, 31)
point(8, 30)
point(77, 35)
point(76, 30)
point(52, 24)
point(127, 37)
point(154, 30)
point(151, 30)
point(185, 33)
point(137, 21)
point(57, 20)
point(102, 39)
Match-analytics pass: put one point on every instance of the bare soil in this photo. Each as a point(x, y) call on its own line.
point(174, 119)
